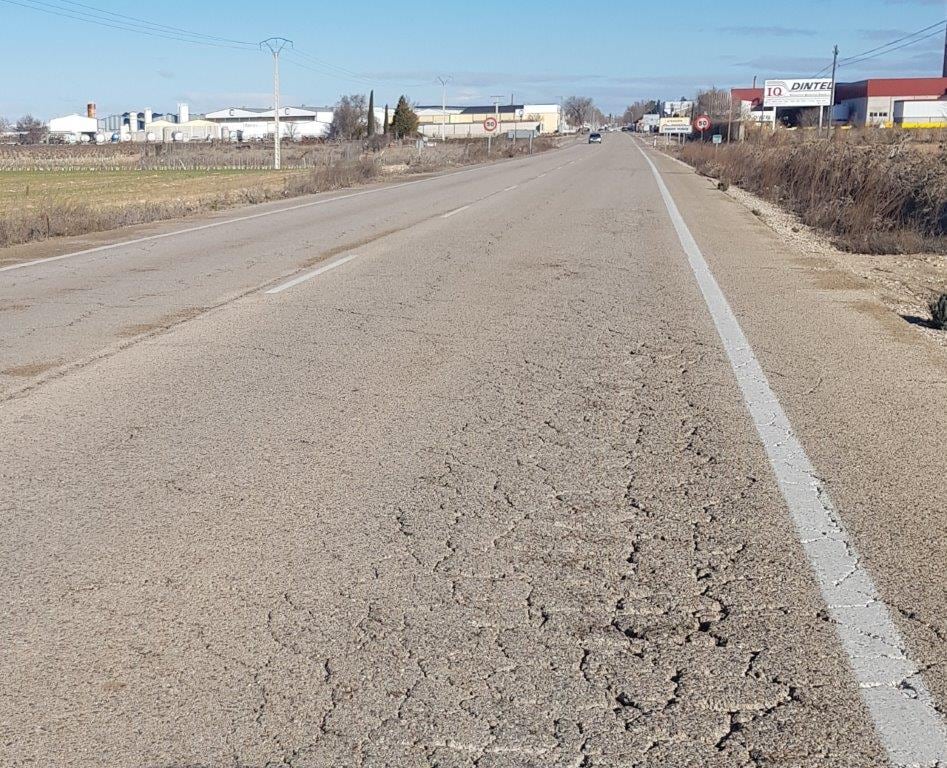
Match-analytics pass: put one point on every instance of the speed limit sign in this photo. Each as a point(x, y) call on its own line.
point(490, 124)
point(702, 123)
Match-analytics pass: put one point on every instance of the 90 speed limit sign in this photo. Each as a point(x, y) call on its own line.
point(490, 124)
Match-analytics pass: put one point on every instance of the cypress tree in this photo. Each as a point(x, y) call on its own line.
point(371, 113)
point(384, 128)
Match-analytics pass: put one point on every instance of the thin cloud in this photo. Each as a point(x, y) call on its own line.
point(768, 31)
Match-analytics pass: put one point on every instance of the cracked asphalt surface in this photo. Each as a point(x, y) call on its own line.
point(486, 495)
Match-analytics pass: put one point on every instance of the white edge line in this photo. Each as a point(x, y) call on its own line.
point(249, 217)
point(892, 685)
point(455, 211)
point(314, 273)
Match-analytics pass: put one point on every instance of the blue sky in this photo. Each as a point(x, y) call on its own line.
point(615, 52)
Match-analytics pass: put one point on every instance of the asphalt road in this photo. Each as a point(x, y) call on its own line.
point(469, 473)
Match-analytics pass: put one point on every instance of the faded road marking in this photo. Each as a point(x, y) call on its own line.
point(909, 726)
point(314, 273)
point(455, 211)
point(510, 189)
point(248, 217)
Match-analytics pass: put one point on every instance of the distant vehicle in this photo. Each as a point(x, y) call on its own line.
point(595, 138)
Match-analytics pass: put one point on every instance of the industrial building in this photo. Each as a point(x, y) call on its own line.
point(882, 101)
point(249, 123)
point(146, 125)
point(907, 102)
point(468, 122)
point(73, 128)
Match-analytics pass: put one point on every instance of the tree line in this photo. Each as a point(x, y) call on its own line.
point(354, 118)
point(28, 129)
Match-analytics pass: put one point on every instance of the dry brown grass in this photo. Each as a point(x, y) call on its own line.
point(872, 196)
point(57, 216)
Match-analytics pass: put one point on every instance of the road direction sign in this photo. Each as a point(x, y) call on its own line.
point(490, 124)
point(702, 123)
point(675, 125)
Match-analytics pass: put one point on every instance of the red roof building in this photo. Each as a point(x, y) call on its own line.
point(873, 102)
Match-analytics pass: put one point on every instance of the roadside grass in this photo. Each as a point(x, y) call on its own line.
point(880, 196)
point(35, 205)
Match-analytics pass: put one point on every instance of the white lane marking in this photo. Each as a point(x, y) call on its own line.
point(237, 219)
point(455, 211)
point(510, 189)
point(541, 176)
point(901, 706)
point(314, 273)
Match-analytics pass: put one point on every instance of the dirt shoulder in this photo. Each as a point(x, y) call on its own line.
point(903, 283)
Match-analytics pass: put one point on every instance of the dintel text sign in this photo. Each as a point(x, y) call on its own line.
point(815, 92)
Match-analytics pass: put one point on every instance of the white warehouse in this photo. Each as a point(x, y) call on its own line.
point(248, 123)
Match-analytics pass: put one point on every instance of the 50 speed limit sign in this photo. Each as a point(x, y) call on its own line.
point(490, 124)
point(703, 123)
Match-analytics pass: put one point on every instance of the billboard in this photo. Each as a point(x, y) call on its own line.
point(672, 108)
point(815, 92)
point(671, 125)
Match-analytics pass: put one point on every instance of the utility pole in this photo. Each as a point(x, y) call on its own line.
point(443, 81)
point(496, 112)
point(832, 100)
point(275, 45)
point(945, 54)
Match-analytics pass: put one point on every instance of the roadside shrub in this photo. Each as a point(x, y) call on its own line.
point(939, 312)
point(873, 197)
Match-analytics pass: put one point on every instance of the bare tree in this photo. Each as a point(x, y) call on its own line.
point(639, 109)
point(31, 130)
point(714, 102)
point(349, 118)
point(579, 110)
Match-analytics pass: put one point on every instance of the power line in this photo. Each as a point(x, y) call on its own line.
point(90, 14)
point(325, 68)
point(154, 24)
point(898, 40)
point(144, 28)
point(882, 50)
point(854, 60)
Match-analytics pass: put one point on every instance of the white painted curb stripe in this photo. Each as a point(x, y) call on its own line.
point(909, 726)
point(314, 273)
point(455, 211)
